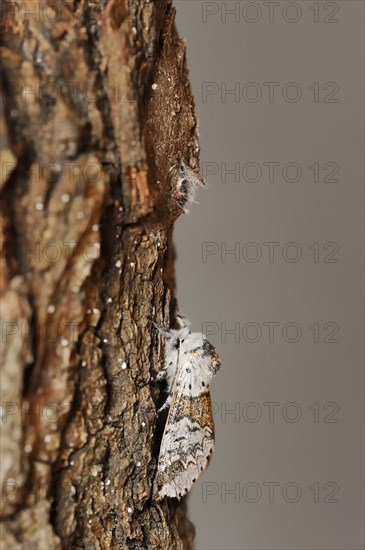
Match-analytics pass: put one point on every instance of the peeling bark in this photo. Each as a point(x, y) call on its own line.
point(97, 112)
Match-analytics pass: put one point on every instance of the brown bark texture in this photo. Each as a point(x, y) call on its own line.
point(97, 112)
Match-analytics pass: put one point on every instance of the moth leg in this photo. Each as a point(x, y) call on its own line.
point(145, 383)
point(159, 329)
point(166, 404)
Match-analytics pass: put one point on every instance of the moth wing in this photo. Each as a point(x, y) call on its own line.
point(188, 438)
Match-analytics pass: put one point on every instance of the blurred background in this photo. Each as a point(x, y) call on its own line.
point(270, 267)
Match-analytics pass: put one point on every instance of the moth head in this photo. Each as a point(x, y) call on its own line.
point(177, 337)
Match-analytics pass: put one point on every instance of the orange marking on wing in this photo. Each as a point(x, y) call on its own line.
point(198, 408)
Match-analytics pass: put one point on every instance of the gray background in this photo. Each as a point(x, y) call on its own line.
point(312, 437)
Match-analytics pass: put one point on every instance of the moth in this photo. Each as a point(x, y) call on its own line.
point(188, 438)
point(186, 185)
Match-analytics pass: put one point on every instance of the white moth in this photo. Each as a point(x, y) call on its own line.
point(188, 438)
point(186, 185)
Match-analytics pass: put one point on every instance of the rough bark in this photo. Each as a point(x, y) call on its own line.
point(97, 112)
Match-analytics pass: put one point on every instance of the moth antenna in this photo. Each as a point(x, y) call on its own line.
point(158, 327)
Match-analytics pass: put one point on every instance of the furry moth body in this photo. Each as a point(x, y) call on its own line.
point(186, 185)
point(188, 438)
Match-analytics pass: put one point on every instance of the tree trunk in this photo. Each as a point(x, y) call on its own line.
point(97, 113)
